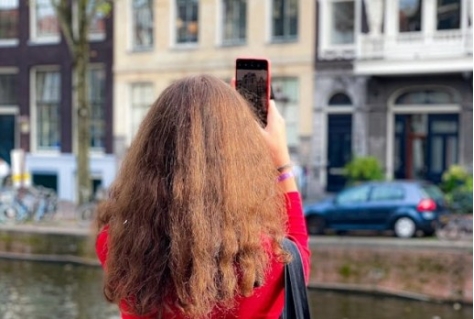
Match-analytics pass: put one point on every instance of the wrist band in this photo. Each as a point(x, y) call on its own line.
point(285, 176)
point(283, 167)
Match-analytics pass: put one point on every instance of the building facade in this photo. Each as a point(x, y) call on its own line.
point(36, 87)
point(160, 41)
point(393, 79)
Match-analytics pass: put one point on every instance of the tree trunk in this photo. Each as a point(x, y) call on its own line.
point(82, 126)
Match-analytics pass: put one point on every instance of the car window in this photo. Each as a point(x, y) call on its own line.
point(357, 194)
point(431, 191)
point(387, 192)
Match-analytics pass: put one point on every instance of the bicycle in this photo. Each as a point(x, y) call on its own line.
point(456, 228)
point(23, 204)
point(86, 212)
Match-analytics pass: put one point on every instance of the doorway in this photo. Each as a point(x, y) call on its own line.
point(339, 149)
point(425, 145)
point(7, 136)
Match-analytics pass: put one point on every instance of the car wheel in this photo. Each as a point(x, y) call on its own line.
point(404, 227)
point(315, 225)
point(8, 212)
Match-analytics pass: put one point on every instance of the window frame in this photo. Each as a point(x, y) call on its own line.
point(174, 30)
point(34, 109)
point(327, 50)
point(10, 72)
point(34, 37)
point(132, 85)
point(96, 37)
point(221, 22)
point(133, 46)
point(422, 17)
point(16, 40)
point(102, 67)
point(437, 20)
point(285, 38)
point(292, 104)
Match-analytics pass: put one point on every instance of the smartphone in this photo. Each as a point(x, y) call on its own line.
point(252, 81)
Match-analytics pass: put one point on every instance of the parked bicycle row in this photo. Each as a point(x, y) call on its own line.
point(34, 203)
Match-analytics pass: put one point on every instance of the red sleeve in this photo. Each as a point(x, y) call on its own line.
point(296, 228)
point(101, 245)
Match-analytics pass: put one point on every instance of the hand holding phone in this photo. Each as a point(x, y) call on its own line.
point(252, 81)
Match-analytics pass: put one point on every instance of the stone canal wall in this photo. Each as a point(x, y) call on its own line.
point(71, 245)
point(425, 269)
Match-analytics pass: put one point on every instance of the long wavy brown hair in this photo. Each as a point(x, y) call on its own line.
point(193, 204)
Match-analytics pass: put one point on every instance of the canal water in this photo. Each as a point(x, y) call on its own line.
point(37, 290)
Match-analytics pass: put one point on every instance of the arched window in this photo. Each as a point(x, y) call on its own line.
point(428, 96)
point(340, 99)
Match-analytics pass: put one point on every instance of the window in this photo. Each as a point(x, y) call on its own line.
point(285, 20)
point(97, 23)
point(426, 97)
point(142, 15)
point(449, 14)
point(358, 194)
point(340, 99)
point(9, 17)
point(97, 101)
point(187, 19)
point(48, 118)
point(45, 21)
point(142, 98)
point(234, 21)
point(409, 15)
point(342, 25)
point(286, 91)
point(387, 192)
point(8, 90)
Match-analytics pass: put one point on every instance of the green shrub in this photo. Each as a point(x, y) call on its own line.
point(454, 177)
point(457, 185)
point(361, 169)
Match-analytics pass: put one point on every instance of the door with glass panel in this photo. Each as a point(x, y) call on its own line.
point(443, 144)
point(425, 145)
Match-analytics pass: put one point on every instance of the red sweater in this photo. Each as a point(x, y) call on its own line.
point(266, 301)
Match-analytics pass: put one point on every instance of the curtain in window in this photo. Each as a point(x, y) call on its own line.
point(142, 24)
point(97, 101)
point(342, 27)
point(187, 20)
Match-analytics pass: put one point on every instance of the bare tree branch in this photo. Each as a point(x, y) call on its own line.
point(64, 15)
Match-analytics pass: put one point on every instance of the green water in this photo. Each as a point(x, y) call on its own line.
point(34, 290)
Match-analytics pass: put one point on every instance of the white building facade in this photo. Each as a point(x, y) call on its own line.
point(393, 79)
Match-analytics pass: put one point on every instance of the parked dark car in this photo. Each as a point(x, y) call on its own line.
point(405, 207)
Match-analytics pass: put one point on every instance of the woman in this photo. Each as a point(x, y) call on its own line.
point(198, 210)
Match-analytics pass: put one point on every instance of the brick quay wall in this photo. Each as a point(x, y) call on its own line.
point(424, 269)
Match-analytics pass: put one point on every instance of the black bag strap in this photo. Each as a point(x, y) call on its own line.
point(296, 297)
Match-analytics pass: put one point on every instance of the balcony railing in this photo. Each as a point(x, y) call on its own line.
point(445, 43)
